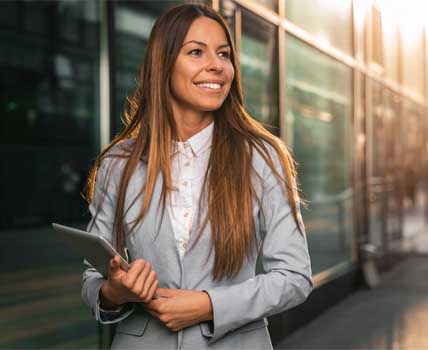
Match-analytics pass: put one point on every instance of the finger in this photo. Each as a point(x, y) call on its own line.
point(139, 283)
point(152, 291)
point(115, 262)
point(176, 328)
point(153, 305)
point(131, 276)
point(147, 284)
point(160, 293)
point(173, 326)
point(114, 266)
point(137, 262)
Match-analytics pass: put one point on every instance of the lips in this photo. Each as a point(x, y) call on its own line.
point(210, 87)
point(211, 81)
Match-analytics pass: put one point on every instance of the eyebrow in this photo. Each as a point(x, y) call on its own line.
point(203, 44)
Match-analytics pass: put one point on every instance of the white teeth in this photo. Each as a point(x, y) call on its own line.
point(210, 85)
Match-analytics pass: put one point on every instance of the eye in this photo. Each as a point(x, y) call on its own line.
point(225, 54)
point(194, 50)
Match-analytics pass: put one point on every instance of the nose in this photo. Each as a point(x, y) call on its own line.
point(214, 63)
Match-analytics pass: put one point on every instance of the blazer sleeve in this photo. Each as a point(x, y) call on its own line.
point(102, 209)
point(287, 278)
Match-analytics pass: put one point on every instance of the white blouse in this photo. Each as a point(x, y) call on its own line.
point(188, 165)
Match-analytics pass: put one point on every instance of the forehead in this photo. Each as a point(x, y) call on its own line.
point(207, 30)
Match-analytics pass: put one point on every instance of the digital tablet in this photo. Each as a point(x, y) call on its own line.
point(94, 248)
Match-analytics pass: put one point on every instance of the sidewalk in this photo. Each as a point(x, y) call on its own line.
point(392, 316)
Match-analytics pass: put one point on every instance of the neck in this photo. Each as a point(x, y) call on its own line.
point(190, 122)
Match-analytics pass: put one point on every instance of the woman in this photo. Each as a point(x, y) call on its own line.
point(228, 193)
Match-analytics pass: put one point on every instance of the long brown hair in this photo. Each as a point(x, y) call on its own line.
point(149, 122)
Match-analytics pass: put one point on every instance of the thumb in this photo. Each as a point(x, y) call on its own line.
point(115, 264)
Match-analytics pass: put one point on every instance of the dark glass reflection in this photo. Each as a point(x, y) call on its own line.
point(318, 112)
point(377, 165)
point(259, 67)
point(413, 168)
point(48, 131)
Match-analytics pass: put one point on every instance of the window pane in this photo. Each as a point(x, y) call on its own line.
point(318, 116)
point(258, 58)
point(412, 51)
point(35, 17)
point(390, 57)
point(377, 129)
point(49, 134)
point(385, 167)
point(9, 14)
point(270, 4)
point(360, 17)
point(376, 36)
point(360, 157)
point(414, 167)
point(377, 163)
point(392, 166)
point(329, 20)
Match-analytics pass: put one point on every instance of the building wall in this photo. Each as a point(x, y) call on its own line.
point(343, 86)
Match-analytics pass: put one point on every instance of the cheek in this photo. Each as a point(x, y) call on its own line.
point(182, 75)
point(230, 74)
point(178, 85)
point(230, 71)
point(176, 81)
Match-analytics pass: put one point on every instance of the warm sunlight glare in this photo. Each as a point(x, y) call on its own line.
point(410, 15)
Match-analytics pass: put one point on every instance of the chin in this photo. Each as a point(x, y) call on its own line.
point(206, 106)
point(209, 108)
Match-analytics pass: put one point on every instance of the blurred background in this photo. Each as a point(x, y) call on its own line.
point(344, 82)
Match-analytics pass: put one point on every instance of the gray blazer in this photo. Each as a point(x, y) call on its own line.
point(240, 304)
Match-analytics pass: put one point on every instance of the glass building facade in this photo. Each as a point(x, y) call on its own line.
point(319, 123)
point(49, 88)
point(346, 88)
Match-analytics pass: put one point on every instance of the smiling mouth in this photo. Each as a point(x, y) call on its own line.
point(210, 87)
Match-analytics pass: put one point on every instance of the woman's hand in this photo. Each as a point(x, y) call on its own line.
point(139, 284)
point(180, 308)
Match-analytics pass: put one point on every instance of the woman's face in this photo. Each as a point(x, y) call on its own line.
point(203, 73)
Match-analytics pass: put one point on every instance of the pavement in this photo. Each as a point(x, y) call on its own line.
point(41, 308)
point(393, 315)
